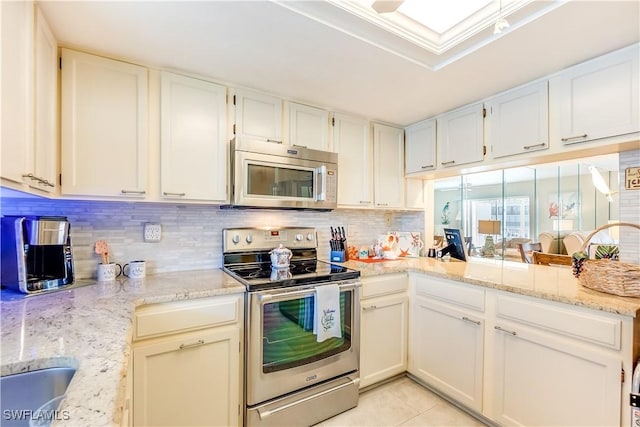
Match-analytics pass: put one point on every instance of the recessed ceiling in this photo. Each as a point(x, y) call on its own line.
point(318, 53)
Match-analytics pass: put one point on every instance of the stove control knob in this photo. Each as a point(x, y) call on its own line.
point(249, 238)
point(235, 239)
point(310, 236)
point(298, 237)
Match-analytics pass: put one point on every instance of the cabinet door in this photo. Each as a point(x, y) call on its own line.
point(383, 339)
point(596, 99)
point(188, 379)
point(46, 106)
point(388, 166)
point(351, 142)
point(420, 147)
point(193, 139)
point(17, 90)
point(460, 136)
point(104, 126)
point(446, 350)
point(258, 116)
point(415, 193)
point(308, 127)
point(541, 379)
point(518, 121)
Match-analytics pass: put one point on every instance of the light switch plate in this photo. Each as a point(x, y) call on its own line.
point(152, 232)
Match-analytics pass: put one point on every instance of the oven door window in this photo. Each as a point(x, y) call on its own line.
point(280, 181)
point(287, 333)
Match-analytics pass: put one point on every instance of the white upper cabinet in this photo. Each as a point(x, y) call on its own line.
point(257, 116)
point(193, 139)
point(308, 127)
point(414, 194)
point(388, 158)
point(517, 121)
point(420, 147)
point(351, 142)
point(596, 99)
point(104, 126)
point(29, 99)
point(460, 136)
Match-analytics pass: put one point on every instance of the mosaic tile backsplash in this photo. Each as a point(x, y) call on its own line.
point(191, 234)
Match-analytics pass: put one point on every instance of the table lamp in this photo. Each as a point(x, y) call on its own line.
point(489, 227)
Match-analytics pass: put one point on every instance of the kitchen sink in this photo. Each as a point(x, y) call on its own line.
point(22, 395)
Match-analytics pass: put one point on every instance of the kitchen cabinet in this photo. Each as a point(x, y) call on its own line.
point(29, 99)
point(258, 116)
point(596, 99)
point(355, 161)
point(554, 365)
point(103, 127)
point(446, 341)
point(193, 139)
point(307, 126)
point(420, 147)
point(460, 136)
point(388, 158)
point(187, 363)
point(518, 121)
point(414, 198)
point(383, 325)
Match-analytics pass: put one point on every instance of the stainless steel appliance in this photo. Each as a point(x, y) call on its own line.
point(36, 253)
point(271, 175)
point(291, 379)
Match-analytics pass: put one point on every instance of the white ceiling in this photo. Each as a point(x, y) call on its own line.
point(283, 49)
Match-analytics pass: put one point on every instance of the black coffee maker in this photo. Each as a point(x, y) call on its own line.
point(36, 253)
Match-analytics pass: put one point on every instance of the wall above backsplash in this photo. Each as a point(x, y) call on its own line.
point(191, 234)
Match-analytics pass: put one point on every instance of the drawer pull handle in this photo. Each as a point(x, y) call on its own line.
point(274, 140)
point(167, 193)
point(364, 202)
point(505, 330)
point(133, 191)
point(529, 147)
point(370, 307)
point(475, 322)
point(299, 146)
point(195, 344)
point(450, 162)
point(570, 138)
point(426, 167)
point(382, 204)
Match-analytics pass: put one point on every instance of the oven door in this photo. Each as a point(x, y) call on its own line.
point(283, 354)
point(265, 180)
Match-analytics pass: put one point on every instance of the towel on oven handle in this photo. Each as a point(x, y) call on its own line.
point(326, 319)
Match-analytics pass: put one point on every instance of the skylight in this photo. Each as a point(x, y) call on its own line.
point(441, 15)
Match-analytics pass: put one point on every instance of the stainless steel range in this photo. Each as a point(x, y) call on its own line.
point(293, 377)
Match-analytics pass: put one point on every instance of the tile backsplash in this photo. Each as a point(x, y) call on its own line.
point(191, 234)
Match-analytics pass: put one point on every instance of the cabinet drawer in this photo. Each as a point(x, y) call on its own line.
point(167, 318)
point(452, 292)
point(573, 323)
point(383, 285)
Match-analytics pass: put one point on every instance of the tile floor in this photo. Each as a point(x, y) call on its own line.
point(402, 402)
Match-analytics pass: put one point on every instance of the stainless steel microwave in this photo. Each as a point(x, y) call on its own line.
point(272, 175)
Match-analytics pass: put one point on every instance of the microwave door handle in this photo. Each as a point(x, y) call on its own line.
point(321, 173)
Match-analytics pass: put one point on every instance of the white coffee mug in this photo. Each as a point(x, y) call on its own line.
point(108, 272)
point(135, 269)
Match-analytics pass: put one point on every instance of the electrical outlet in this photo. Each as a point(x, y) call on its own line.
point(152, 232)
point(387, 219)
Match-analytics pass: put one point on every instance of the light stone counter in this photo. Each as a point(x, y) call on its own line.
point(90, 328)
point(555, 283)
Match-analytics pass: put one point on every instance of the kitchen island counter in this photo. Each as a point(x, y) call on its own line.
point(554, 283)
point(90, 328)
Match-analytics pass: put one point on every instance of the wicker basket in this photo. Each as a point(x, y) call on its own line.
point(606, 275)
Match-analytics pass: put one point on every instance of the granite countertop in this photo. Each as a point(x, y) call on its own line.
point(90, 328)
point(554, 283)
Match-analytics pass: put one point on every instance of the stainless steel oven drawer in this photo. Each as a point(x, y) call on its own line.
point(308, 406)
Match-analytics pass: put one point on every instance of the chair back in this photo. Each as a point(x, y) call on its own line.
point(526, 249)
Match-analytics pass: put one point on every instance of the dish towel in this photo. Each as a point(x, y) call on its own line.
point(326, 319)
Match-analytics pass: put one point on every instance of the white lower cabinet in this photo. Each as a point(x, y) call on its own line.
point(188, 378)
point(446, 339)
point(383, 325)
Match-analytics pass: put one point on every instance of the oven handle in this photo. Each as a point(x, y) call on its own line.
point(264, 297)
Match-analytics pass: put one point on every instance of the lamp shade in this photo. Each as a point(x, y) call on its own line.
point(489, 226)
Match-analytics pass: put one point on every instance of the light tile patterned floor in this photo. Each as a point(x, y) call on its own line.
point(402, 403)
